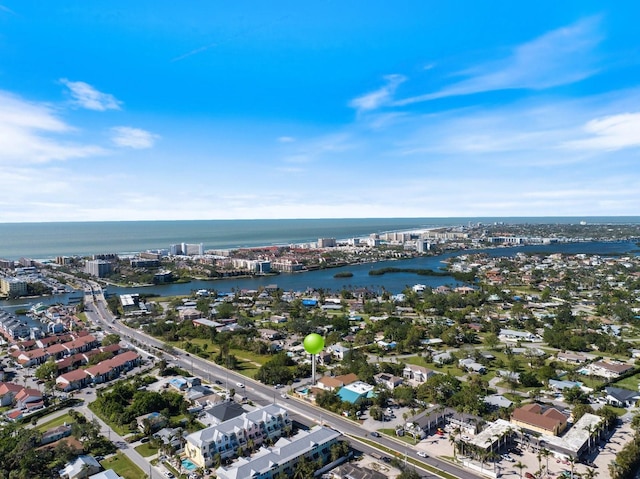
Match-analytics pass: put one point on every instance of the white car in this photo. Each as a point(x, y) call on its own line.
point(240, 385)
point(421, 454)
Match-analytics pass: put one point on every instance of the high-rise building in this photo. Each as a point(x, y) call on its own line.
point(98, 268)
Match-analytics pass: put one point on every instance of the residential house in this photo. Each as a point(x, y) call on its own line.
point(572, 358)
point(608, 369)
point(81, 468)
point(55, 434)
point(8, 392)
point(470, 364)
point(417, 373)
point(333, 383)
point(620, 397)
point(154, 421)
point(338, 350)
point(442, 358)
point(388, 380)
point(108, 474)
point(29, 399)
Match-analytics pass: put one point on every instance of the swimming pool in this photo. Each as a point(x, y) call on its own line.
point(188, 465)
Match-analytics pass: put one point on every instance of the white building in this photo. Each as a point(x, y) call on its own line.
point(228, 436)
point(282, 458)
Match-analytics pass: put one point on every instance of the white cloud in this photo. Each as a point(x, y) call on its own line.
point(286, 139)
point(380, 97)
point(559, 57)
point(135, 138)
point(30, 133)
point(86, 96)
point(610, 133)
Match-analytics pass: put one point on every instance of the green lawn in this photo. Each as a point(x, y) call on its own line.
point(123, 466)
point(419, 361)
point(59, 421)
point(146, 450)
point(629, 383)
point(408, 438)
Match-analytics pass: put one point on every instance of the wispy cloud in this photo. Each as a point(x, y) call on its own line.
point(31, 133)
point(382, 96)
point(286, 139)
point(610, 133)
point(133, 137)
point(559, 57)
point(86, 96)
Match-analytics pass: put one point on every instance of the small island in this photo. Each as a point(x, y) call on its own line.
point(343, 274)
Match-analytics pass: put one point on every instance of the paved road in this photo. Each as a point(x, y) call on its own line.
point(257, 392)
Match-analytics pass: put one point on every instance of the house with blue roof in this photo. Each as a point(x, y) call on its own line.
point(353, 392)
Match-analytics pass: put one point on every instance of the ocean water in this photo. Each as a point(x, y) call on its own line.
point(48, 240)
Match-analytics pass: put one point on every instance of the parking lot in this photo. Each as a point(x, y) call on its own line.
point(440, 446)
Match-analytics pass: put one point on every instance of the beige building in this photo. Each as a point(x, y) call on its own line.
point(533, 418)
point(12, 287)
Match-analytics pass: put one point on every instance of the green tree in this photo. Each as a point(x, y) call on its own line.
point(47, 371)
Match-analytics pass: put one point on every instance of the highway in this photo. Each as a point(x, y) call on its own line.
point(301, 411)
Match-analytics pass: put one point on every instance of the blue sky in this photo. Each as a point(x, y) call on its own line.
point(226, 110)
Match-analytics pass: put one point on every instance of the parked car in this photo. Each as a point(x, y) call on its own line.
point(528, 475)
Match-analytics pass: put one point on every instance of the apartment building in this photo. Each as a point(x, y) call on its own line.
point(225, 438)
point(281, 459)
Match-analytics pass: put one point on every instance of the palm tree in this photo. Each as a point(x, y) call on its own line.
point(590, 428)
point(520, 466)
point(572, 461)
point(493, 456)
point(590, 473)
point(546, 453)
point(454, 443)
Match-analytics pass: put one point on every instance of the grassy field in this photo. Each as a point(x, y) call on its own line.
point(59, 421)
point(123, 466)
